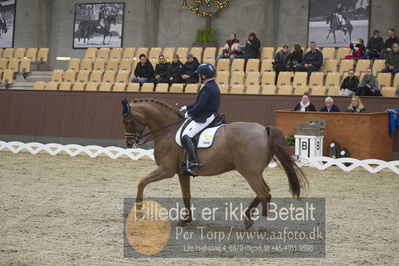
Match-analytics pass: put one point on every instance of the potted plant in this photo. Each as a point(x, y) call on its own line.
point(291, 143)
point(205, 37)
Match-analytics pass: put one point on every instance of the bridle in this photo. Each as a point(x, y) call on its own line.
point(136, 137)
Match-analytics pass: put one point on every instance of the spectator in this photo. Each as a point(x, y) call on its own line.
point(144, 71)
point(389, 42)
point(252, 47)
point(329, 106)
point(231, 48)
point(189, 68)
point(296, 56)
point(175, 70)
point(358, 49)
point(312, 60)
point(161, 69)
point(282, 60)
point(392, 62)
point(349, 85)
point(356, 106)
point(305, 105)
point(369, 85)
point(374, 46)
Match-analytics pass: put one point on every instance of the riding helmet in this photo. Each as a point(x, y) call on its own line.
point(208, 70)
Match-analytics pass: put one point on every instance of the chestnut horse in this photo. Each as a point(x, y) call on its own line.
point(245, 147)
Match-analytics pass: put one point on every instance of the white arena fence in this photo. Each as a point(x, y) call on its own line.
point(346, 164)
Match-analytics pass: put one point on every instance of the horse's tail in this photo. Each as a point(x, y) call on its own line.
point(279, 147)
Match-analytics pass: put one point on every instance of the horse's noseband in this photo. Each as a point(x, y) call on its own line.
point(136, 136)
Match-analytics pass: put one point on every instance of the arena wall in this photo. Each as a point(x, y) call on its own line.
point(49, 23)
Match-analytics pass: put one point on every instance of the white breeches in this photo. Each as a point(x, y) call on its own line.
point(194, 128)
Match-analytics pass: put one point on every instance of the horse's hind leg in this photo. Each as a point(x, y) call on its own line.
point(263, 196)
point(248, 221)
point(186, 191)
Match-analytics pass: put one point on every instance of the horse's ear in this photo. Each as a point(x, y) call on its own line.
point(125, 106)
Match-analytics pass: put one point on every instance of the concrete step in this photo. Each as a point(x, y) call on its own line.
point(39, 76)
point(22, 85)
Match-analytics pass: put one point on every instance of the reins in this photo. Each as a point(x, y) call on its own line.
point(136, 137)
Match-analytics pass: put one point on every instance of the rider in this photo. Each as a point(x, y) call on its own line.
point(203, 111)
point(339, 13)
point(101, 17)
point(2, 20)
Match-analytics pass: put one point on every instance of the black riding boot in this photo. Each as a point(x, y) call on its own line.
point(193, 164)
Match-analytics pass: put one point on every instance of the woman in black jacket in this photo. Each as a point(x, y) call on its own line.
point(349, 85)
point(161, 70)
point(252, 47)
point(305, 105)
point(175, 71)
point(296, 56)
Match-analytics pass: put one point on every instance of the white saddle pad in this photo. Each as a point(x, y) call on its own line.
point(205, 139)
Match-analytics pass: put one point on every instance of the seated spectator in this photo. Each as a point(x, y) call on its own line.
point(305, 105)
point(252, 47)
point(329, 106)
point(144, 71)
point(312, 60)
point(161, 70)
point(356, 106)
point(349, 85)
point(175, 70)
point(231, 48)
point(374, 46)
point(389, 43)
point(189, 68)
point(369, 85)
point(392, 62)
point(282, 60)
point(358, 50)
point(296, 56)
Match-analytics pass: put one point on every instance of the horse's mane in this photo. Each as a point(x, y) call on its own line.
point(161, 103)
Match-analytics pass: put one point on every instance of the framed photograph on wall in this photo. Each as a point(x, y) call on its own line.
point(7, 22)
point(98, 25)
point(338, 22)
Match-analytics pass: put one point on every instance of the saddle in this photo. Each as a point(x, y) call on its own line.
point(204, 139)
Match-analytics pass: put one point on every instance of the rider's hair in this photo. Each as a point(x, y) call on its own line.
point(285, 46)
point(376, 32)
point(142, 55)
point(392, 29)
point(313, 42)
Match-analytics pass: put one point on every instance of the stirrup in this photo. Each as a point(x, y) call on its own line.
point(190, 166)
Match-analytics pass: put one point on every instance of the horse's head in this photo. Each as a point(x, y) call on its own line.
point(328, 17)
point(112, 19)
point(134, 125)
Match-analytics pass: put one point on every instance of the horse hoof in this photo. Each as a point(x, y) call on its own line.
point(248, 223)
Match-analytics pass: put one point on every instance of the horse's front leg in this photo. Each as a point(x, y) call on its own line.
point(186, 191)
point(158, 174)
